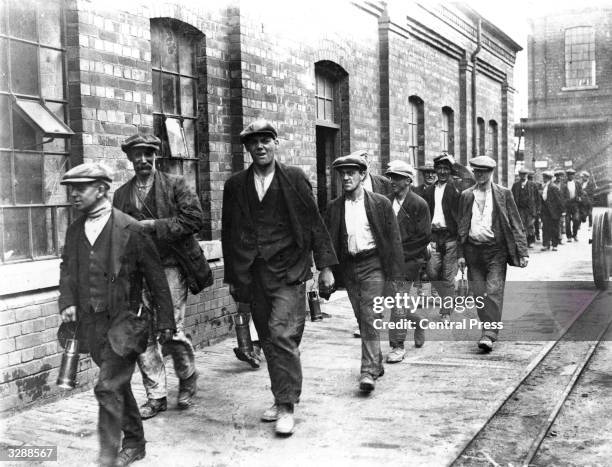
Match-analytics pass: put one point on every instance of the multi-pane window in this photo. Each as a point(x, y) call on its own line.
point(324, 95)
point(416, 136)
point(34, 208)
point(580, 56)
point(480, 134)
point(447, 133)
point(173, 56)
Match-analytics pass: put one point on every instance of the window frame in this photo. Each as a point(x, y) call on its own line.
point(447, 132)
point(573, 66)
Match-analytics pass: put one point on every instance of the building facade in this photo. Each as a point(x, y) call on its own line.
point(570, 92)
point(76, 78)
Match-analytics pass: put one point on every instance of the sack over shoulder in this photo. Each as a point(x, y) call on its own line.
point(129, 333)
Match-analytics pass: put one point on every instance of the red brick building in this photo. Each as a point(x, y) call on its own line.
point(76, 79)
point(570, 98)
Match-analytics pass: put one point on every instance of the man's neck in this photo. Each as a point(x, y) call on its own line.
point(99, 208)
point(355, 194)
point(441, 183)
point(145, 179)
point(265, 170)
point(402, 194)
point(485, 186)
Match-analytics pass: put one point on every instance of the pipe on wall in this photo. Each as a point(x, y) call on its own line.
point(474, 60)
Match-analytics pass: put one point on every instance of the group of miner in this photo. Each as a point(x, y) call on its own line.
point(128, 266)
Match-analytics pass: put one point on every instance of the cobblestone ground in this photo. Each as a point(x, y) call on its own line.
point(422, 412)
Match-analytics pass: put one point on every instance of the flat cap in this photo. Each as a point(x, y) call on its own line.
point(559, 172)
point(548, 174)
point(427, 167)
point(584, 172)
point(87, 173)
point(401, 168)
point(141, 141)
point(258, 127)
point(483, 162)
point(570, 171)
point(524, 171)
point(350, 161)
point(444, 159)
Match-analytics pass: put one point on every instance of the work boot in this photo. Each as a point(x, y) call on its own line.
point(285, 424)
point(419, 335)
point(396, 355)
point(152, 407)
point(187, 389)
point(366, 383)
point(128, 456)
point(270, 414)
point(485, 343)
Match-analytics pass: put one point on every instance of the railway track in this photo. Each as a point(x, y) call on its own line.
point(513, 434)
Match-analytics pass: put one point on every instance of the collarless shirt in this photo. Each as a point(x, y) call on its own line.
point(359, 233)
point(96, 221)
point(571, 187)
point(481, 225)
point(438, 220)
point(397, 204)
point(545, 191)
point(262, 183)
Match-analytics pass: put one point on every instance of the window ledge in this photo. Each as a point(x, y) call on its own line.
point(579, 88)
point(34, 275)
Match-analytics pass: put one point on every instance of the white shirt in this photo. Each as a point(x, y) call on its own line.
point(397, 204)
point(571, 186)
point(545, 191)
point(360, 236)
point(438, 220)
point(367, 183)
point(96, 221)
point(262, 183)
point(481, 226)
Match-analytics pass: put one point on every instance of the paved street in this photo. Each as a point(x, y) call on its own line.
point(422, 412)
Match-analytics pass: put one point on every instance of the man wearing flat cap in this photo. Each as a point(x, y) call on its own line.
point(414, 223)
point(443, 200)
point(271, 229)
point(559, 182)
point(573, 192)
point(170, 212)
point(490, 236)
point(552, 210)
point(588, 196)
point(537, 224)
point(429, 178)
point(366, 237)
point(373, 183)
point(526, 195)
point(105, 258)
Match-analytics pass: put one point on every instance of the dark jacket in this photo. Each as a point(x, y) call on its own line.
point(132, 257)
point(506, 211)
point(450, 204)
point(178, 217)
point(553, 206)
point(381, 185)
point(530, 193)
point(415, 225)
point(239, 237)
point(566, 194)
point(384, 229)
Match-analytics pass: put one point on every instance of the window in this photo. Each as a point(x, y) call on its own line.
point(580, 56)
point(173, 55)
point(480, 135)
point(448, 132)
point(34, 208)
point(324, 94)
point(492, 144)
point(416, 135)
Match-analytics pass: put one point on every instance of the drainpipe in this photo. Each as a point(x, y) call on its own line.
point(474, 59)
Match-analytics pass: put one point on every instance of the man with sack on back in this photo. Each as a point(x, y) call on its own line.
point(105, 257)
point(170, 212)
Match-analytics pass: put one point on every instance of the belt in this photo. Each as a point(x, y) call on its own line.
point(365, 254)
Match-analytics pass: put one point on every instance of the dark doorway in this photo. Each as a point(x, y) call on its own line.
point(327, 183)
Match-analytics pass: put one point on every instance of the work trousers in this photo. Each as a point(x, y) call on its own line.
point(442, 266)
point(279, 315)
point(117, 408)
point(528, 221)
point(364, 280)
point(487, 277)
point(398, 336)
point(151, 361)
point(572, 222)
point(550, 231)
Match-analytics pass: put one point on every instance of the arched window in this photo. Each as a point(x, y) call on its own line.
point(492, 144)
point(447, 135)
point(580, 56)
point(174, 48)
point(480, 143)
point(416, 131)
point(34, 208)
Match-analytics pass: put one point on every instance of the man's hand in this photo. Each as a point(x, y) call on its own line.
point(523, 261)
point(68, 314)
point(461, 263)
point(165, 336)
point(147, 224)
point(326, 278)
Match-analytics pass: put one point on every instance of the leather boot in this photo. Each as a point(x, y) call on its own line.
point(187, 389)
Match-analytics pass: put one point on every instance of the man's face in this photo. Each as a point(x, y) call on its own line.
point(482, 176)
point(570, 177)
point(443, 172)
point(399, 184)
point(429, 177)
point(143, 160)
point(262, 149)
point(585, 178)
point(85, 196)
point(351, 178)
point(522, 176)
